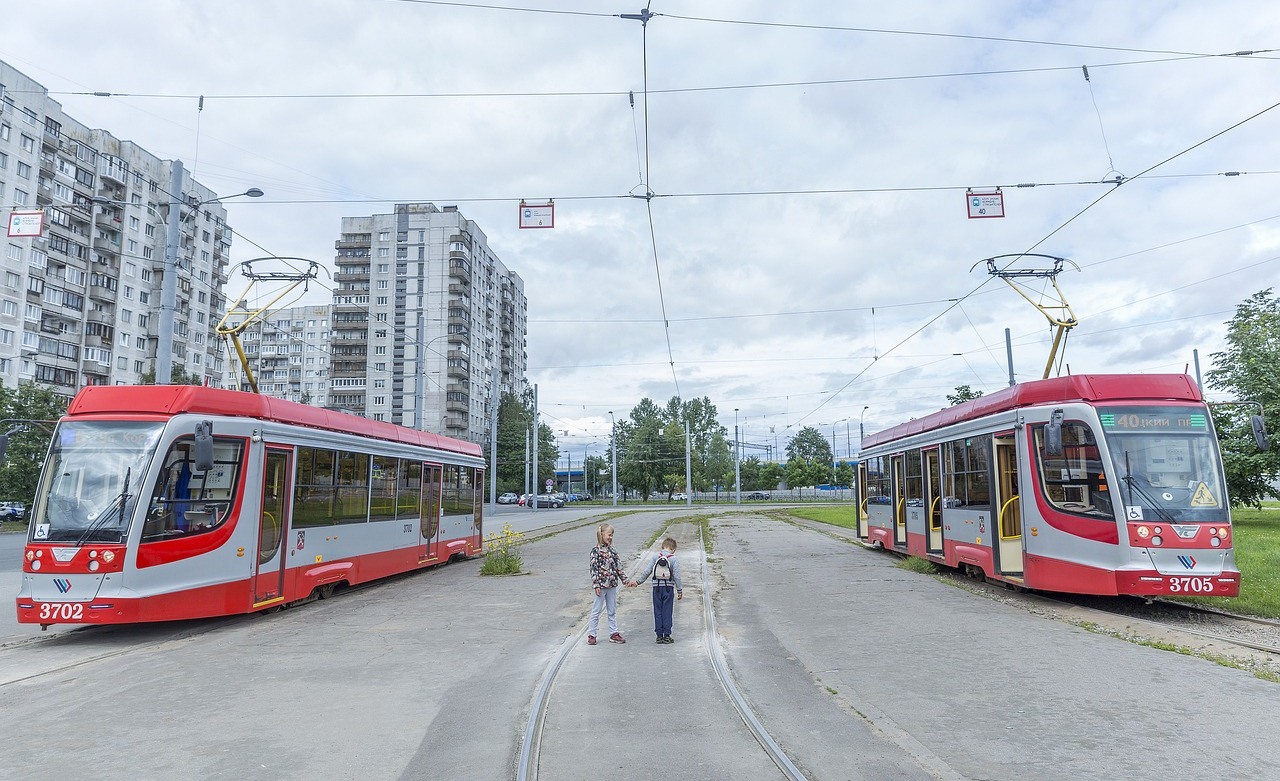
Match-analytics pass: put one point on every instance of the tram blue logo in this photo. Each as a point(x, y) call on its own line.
point(63, 585)
point(1188, 561)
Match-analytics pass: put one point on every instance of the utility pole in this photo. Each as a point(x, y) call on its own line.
point(688, 468)
point(526, 462)
point(613, 455)
point(737, 452)
point(493, 432)
point(169, 282)
point(535, 447)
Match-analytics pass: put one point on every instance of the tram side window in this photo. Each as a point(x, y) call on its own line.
point(1074, 481)
point(458, 488)
point(968, 472)
point(314, 493)
point(409, 491)
point(185, 501)
point(352, 482)
point(877, 481)
point(382, 505)
point(915, 480)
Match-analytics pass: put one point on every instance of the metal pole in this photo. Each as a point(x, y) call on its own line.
point(169, 280)
point(862, 432)
point(737, 451)
point(420, 397)
point(613, 453)
point(1008, 349)
point(1196, 355)
point(526, 462)
point(833, 454)
point(688, 468)
point(493, 438)
point(535, 447)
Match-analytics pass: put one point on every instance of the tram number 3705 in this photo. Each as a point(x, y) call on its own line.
point(61, 611)
point(1191, 585)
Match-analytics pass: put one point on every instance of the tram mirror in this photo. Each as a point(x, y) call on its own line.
point(1259, 435)
point(204, 446)
point(4, 441)
point(1053, 434)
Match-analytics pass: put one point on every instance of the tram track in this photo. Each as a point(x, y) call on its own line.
point(527, 765)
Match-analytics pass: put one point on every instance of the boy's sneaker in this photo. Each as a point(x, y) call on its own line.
point(667, 639)
point(660, 640)
point(591, 639)
point(616, 637)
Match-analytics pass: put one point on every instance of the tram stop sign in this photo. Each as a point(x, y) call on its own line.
point(549, 484)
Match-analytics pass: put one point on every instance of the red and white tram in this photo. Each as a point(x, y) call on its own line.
point(1090, 484)
point(174, 502)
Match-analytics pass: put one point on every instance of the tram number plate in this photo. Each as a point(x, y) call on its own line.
point(61, 611)
point(1191, 585)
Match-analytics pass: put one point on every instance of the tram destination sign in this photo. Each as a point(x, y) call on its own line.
point(1158, 420)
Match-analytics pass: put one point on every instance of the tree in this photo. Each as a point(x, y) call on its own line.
point(808, 458)
point(963, 393)
point(515, 422)
point(1249, 369)
point(177, 376)
point(29, 443)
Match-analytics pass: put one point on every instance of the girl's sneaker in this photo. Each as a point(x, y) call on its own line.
point(616, 637)
point(591, 639)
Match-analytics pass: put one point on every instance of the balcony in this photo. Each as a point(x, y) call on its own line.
point(459, 269)
point(455, 424)
point(457, 406)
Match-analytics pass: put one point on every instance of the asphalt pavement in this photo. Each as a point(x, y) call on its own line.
point(859, 670)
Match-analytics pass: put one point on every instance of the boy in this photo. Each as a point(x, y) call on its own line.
point(664, 568)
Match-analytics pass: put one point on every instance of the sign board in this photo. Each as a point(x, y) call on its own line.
point(549, 484)
point(26, 224)
point(540, 215)
point(983, 205)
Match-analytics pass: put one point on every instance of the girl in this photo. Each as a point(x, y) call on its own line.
point(606, 574)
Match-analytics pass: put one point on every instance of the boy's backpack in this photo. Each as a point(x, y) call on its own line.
point(662, 568)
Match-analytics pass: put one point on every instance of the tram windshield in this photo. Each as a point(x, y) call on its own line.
point(1165, 462)
point(90, 483)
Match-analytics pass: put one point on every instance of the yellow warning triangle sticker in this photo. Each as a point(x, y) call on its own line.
point(1203, 497)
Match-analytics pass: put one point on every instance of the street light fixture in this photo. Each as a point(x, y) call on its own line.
point(862, 432)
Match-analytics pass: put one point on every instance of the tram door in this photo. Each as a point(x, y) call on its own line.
point(268, 580)
point(1009, 522)
point(933, 499)
point(899, 501)
point(429, 526)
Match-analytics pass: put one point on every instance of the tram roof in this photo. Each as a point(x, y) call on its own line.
point(177, 399)
point(1090, 388)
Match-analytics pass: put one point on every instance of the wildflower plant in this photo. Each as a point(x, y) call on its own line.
point(502, 552)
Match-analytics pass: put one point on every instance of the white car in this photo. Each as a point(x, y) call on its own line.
point(508, 498)
point(679, 497)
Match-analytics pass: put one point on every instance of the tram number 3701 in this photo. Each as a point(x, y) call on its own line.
point(61, 611)
point(1191, 585)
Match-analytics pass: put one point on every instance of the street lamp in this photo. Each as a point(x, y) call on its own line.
point(169, 282)
point(613, 454)
point(737, 470)
point(862, 432)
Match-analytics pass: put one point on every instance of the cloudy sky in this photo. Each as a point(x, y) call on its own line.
point(807, 244)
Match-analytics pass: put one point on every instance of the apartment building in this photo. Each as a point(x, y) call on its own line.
point(288, 353)
point(83, 303)
point(428, 324)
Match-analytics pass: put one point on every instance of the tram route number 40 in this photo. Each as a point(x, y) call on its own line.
point(61, 611)
point(1185, 585)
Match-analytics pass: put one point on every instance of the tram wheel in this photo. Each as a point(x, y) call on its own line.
point(325, 591)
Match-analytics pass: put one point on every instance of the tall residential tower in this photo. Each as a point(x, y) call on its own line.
point(428, 324)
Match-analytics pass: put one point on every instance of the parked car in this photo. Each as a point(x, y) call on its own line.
point(679, 497)
point(758, 495)
point(12, 511)
point(508, 498)
point(545, 500)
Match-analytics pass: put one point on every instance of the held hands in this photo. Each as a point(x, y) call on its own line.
point(598, 591)
point(679, 595)
point(632, 584)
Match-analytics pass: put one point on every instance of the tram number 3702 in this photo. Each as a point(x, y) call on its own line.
point(61, 611)
point(1191, 585)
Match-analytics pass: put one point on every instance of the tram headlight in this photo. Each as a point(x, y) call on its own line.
point(31, 555)
point(35, 565)
point(1214, 541)
point(93, 565)
point(108, 556)
point(1157, 540)
point(1144, 532)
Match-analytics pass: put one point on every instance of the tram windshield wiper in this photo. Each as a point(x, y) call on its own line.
point(1133, 485)
point(121, 501)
